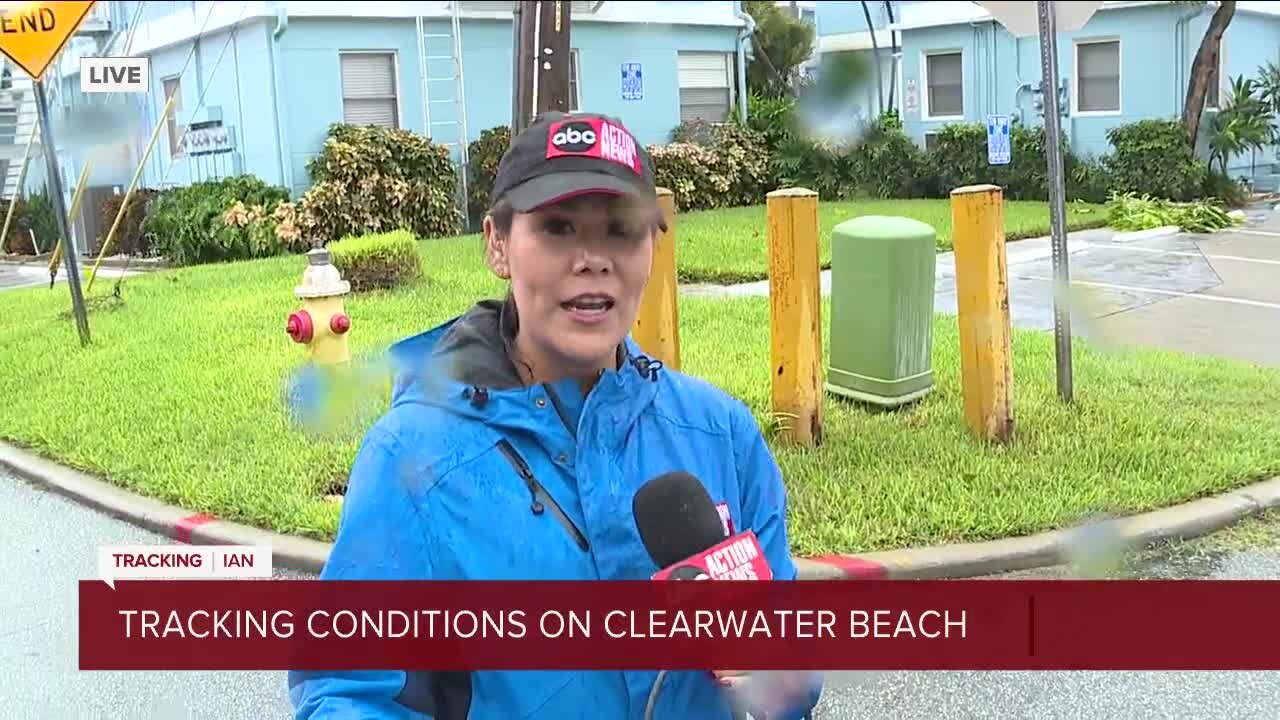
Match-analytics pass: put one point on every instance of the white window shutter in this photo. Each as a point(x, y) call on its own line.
point(369, 89)
point(704, 86)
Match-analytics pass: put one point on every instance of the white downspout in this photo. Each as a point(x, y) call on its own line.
point(743, 35)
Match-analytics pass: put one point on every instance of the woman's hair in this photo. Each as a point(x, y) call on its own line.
point(503, 215)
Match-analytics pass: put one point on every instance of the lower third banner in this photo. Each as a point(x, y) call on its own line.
point(873, 625)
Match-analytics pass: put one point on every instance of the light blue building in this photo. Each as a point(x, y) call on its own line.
point(266, 79)
point(1131, 60)
point(257, 84)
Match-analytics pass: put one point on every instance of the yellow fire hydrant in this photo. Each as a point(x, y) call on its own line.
point(322, 324)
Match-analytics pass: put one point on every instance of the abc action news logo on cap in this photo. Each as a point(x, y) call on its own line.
point(593, 137)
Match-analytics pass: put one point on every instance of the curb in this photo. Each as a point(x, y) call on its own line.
point(181, 525)
point(1056, 547)
point(1189, 520)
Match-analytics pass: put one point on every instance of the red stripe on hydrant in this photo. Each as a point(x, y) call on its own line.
point(855, 568)
point(182, 530)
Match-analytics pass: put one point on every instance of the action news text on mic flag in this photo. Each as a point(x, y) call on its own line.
point(833, 625)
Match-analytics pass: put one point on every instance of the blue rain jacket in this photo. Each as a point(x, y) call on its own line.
point(446, 484)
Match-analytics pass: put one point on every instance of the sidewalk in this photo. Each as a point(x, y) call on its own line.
point(1214, 294)
point(15, 275)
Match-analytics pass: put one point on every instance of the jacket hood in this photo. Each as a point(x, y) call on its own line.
point(465, 366)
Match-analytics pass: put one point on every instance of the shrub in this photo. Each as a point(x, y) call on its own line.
point(691, 172)
point(38, 216)
point(129, 239)
point(1086, 179)
point(773, 118)
point(378, 261)
point(888, 164)
point(373, 179)
point(19, 240)
point(189, 225)
point(959, 158)
point(744, 159)
point(266, 230)
point(739, 155)
point(483, 157)
point(698, 132)
point(1232, 193)
point(1154, 157)
point(827, 169)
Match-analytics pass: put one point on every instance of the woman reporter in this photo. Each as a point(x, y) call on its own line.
point(520, 431)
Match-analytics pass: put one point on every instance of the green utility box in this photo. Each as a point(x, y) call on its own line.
point(882, 275)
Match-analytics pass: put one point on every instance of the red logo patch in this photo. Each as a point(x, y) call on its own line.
point(725, 518)
point(594, 137)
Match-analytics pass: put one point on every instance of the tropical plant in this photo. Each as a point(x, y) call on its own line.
point(1268, 84)
point(1241, 125)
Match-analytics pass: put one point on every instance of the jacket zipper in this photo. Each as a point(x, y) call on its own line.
point(540, 497)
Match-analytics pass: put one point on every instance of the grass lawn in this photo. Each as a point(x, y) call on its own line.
point(179, 397)
point(729, 245)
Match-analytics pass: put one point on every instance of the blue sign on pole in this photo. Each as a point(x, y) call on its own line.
point(999, 144)
point(632, 82)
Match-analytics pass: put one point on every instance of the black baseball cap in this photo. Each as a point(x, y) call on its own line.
point(560, 156)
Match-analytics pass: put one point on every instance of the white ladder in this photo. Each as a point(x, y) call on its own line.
point(431, 121)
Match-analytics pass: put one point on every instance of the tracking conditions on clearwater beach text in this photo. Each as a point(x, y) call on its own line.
point(551, 624)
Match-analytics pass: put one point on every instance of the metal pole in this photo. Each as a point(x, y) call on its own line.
point(1057, 199)
point(60, 209)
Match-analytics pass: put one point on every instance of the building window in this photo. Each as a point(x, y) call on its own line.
point(705, 86)
point(369, 89)
point(575, 86)
point(1098, 76)
point(173, 89)
point(944, 85)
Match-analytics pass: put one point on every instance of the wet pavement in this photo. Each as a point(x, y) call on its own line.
point(35, 273)
point(51, 544)
point(52, 541)
point(1250, 551)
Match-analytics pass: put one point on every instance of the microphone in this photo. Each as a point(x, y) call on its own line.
point(683, 533)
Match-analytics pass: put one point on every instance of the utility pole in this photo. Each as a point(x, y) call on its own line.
point(541, 67)
point(525, 21)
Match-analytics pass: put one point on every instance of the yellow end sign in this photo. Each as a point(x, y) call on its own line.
point(32, 33)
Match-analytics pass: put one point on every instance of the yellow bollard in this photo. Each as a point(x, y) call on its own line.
point(657, 325)
point(795, 321)
point(982, 295)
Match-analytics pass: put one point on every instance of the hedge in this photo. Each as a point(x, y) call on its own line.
point(710, 166)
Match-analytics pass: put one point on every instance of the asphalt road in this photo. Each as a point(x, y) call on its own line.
point(51, 541)
point(1249, 552)
point(50, 544)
